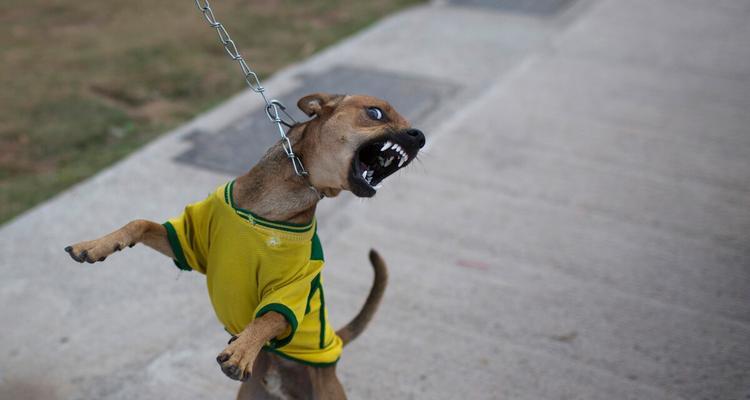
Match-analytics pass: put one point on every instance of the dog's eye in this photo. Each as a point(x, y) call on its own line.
point(375, 113)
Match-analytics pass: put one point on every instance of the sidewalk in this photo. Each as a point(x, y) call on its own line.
point(577, 227)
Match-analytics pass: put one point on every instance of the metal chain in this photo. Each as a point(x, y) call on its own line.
point(274, 108)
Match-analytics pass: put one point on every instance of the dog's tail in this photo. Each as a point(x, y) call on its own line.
point(359, 323)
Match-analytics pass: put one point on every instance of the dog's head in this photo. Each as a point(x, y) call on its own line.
point(354, 142)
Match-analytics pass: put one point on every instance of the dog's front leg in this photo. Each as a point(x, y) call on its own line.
point(139, 231)
point(238, 357)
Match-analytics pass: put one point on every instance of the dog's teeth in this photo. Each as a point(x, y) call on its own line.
point(364, 174)
point(386, 146)
point(401, 162)
point(370, 173)
point(406, 157)
point(397, 148)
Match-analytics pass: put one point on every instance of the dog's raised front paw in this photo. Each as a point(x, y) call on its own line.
point(237, 360)
point(94, 250)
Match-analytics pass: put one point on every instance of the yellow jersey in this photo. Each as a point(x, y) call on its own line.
point(253, 266)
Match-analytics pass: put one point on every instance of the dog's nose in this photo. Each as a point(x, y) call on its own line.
point(417, 135)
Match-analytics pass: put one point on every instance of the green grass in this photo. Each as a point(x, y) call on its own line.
point(85, 83)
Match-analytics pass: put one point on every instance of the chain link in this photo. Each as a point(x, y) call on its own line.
point(275, 110)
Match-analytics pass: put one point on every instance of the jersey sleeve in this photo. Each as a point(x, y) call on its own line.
point(188, 236)
point(290, 300)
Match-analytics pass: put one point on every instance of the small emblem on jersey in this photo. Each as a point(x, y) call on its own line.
point(273, 241)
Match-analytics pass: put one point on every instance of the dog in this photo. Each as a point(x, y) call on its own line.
point(255, 240)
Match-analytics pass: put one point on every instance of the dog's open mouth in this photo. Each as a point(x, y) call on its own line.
point(376, 160)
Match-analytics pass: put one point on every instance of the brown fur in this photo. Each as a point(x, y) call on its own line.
point(326, 144)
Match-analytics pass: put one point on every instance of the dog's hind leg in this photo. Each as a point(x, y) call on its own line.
point(139, 231)
point(276, 378)
point(326, 384)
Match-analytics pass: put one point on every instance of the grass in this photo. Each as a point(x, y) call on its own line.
point(85, 83)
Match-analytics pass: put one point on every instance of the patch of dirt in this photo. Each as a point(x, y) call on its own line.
point(139, 106)
point(14, 160)
point(159, 110)
point(118, 97)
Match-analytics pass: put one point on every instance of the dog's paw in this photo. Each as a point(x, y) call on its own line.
point(237, 360)
point(95, 250)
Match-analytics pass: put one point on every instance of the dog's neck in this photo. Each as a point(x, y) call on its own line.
point(272, 190)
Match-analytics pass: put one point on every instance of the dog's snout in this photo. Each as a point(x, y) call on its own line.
point(417, 135)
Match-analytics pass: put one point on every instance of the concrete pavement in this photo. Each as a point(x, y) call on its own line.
point(577, 228)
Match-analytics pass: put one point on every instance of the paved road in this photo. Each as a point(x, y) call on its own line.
point(577, 228)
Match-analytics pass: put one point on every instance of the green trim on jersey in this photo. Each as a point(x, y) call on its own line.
point(322, 318)
point(290, 318)
point(317, 248)
point(174, 243)
point(314, 285)
point(250, 216)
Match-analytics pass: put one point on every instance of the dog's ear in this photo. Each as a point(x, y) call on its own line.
point(319, 103)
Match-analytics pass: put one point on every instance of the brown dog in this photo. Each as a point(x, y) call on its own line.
point(351, 143)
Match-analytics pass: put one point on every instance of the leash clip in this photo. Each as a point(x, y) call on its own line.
point(272, 111)
point(299, 169)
